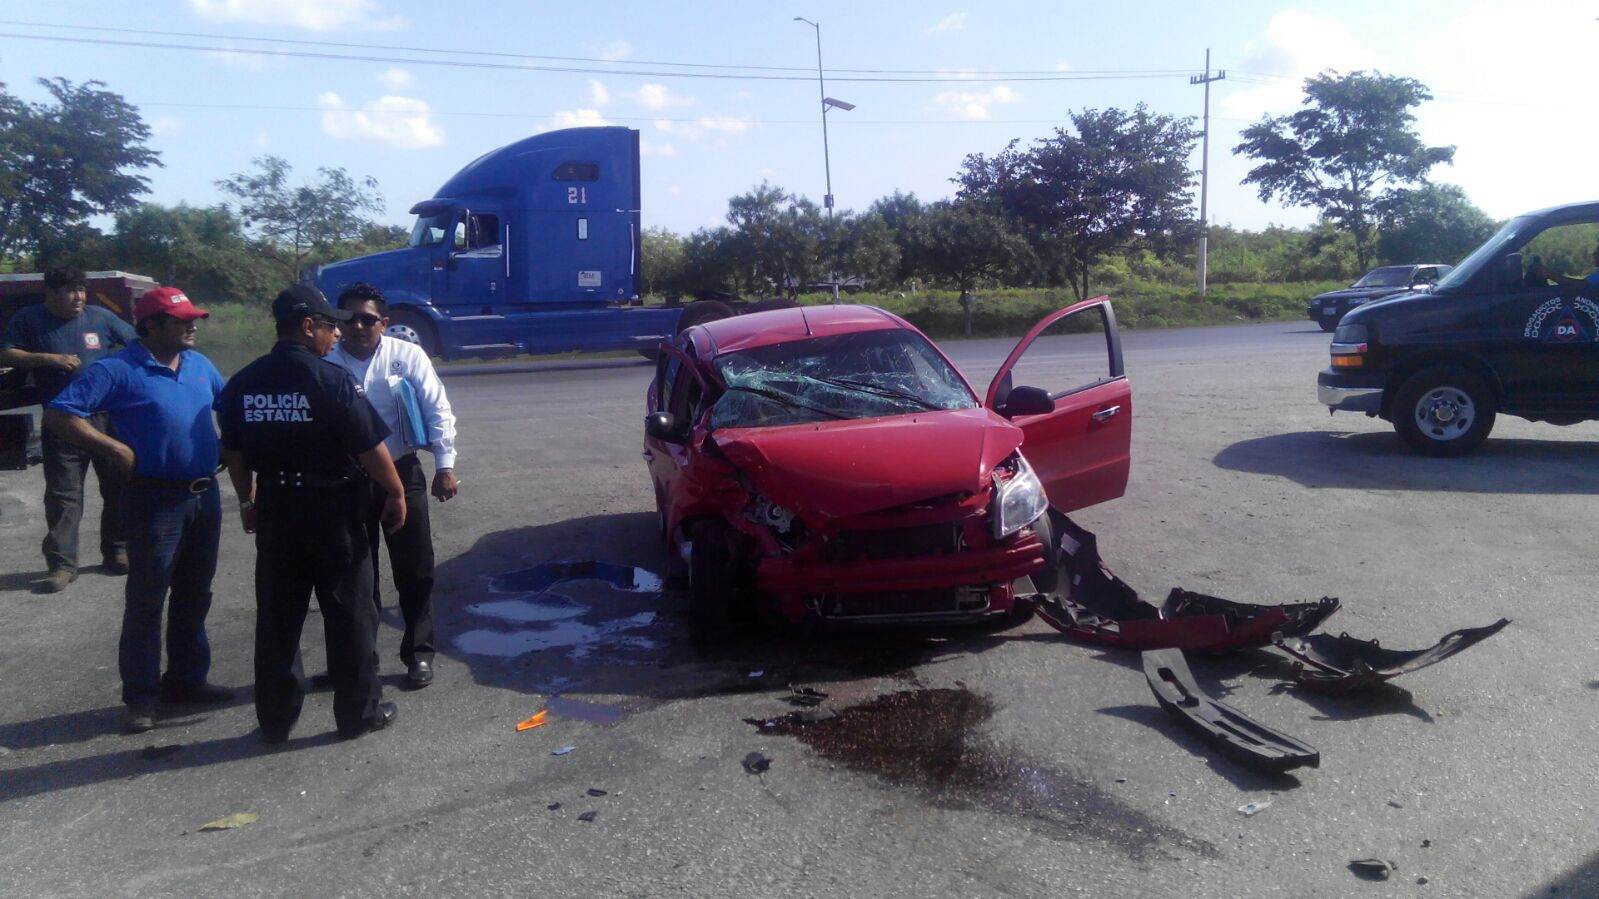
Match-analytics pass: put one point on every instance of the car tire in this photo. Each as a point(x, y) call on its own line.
point(1446, 410)
point(716, 584)
point(702, 311)
point(1327, 323)
point(413, 327)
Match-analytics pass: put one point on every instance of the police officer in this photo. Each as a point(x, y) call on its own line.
point(297, 435)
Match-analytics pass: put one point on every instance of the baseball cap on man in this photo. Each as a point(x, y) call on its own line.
point(302, 299)
point(166, 301)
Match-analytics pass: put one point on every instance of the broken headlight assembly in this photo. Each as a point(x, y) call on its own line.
point(1018, 500)
point(784, 525)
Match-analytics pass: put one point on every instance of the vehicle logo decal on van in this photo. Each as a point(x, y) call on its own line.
point(1561, 321)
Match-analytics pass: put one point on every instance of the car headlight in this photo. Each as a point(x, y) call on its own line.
point(1018, 502)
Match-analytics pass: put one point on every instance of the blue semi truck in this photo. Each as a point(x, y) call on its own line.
point(532, 248)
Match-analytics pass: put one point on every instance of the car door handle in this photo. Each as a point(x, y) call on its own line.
point(1107, 413)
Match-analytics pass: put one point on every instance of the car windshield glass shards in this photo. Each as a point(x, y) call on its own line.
point(1387, 276)
point(865, 374)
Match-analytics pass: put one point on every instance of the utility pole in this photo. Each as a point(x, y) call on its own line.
point(1204, 171)
point(827, 163)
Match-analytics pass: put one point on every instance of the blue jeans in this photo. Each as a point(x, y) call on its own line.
point(172, 544)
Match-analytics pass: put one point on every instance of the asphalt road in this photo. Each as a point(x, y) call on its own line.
point(1001, 763)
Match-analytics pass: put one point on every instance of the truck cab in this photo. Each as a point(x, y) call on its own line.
point(1513, 329)
point(533, 247)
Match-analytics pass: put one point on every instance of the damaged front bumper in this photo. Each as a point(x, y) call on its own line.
point(1342, 664)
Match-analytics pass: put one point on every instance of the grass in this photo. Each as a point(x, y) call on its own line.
point(237, 333)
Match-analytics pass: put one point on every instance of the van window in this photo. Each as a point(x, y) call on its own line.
point(577, 171)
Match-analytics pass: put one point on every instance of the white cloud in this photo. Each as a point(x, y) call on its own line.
point(973, 105)
point(248, 62)
point(703, 126)
point(725, 124)
point(648, 147)
point(396, 79)
point(599, 95)
point(955, 21)
point(674, 190)
point(311, 15)
point(579, 118)
point(1297, 44)
point(1063, 66)
point(657, 97)
point(166, 126)
point(402, 122)
point(615, 51)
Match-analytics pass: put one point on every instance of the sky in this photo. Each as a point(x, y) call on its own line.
point(1511, 82)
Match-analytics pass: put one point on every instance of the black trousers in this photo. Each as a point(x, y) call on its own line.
point(410, 559)
point(313, 539)
point(66, 467)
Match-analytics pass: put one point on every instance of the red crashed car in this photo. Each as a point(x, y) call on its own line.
point(830, 462)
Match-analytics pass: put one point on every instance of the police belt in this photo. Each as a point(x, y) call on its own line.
point(305, 479)
point(196, 486)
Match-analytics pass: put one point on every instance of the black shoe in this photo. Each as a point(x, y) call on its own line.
point(419, 674)
point(57, 581)
point(194, 694)
point(274, 738)
point(136, 719)
point(386, 714)
point(322, 680)
point(116, 563)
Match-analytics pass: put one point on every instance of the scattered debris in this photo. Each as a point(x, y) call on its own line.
point(1426, 844)
point(1372, 868)
point(1421, 880)
point(538, 719)
point(553, 806)
point(562, 750)
point(805, 696)
point(756, 763)
point(595, 791)
point(1254, 808)
point(785, 722)
point(589, 816)
point(1105, 610)
point(231, 822)
point(1121, 780)
point(160, 752)
point(1394, 803)
point(1343, 663)
point(1235, 733)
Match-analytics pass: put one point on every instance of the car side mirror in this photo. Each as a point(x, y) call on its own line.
point(663, 426)
point(1421, 285)
point(1027, 401)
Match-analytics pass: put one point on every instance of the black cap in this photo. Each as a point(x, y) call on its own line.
point(303, 299)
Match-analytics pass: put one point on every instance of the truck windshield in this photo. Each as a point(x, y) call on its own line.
point(1513, 234)
point(430, 230)
point(861, 375)
point(1387, 276)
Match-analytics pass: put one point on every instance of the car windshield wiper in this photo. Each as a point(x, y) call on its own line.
point(878, 389)
point(784, 400)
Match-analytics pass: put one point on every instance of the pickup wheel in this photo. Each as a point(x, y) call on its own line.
point(1443, 411)
point(702, 311)
point(718, 594)
point(413, 327)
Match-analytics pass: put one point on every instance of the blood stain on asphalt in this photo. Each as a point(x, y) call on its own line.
point(928, 740)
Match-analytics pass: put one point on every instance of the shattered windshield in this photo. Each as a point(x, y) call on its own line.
point(844, 376)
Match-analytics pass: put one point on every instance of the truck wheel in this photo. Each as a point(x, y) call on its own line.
point(702, 311)
point(413, 327)
point(1327, 323)
point(1443, 411)
point(716, 587)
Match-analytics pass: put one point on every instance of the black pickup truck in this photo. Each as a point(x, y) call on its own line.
point(1493, 336)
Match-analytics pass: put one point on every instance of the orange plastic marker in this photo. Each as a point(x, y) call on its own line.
point(540, 717)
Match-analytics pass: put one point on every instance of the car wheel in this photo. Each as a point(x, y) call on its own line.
point(413, 327)
point(716, 586)
point(1327, 323)
point(1443, 411)
point(702, 311)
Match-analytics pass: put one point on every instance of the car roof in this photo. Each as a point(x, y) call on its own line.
point(758, 329)
point(1568, 211)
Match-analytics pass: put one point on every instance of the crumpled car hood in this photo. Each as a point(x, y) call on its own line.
point(839, 469)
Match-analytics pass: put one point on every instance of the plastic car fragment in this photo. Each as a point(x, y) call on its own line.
point(1101, 608)
point(1232, 731)
point(1343, 663)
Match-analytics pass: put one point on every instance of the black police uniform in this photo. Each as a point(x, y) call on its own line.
point(300, 421)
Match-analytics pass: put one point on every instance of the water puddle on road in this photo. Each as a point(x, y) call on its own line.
point(928, 740)
point(572, 620)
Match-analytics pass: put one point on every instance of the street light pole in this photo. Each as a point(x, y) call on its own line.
point(1204, 173)
point(827, 162)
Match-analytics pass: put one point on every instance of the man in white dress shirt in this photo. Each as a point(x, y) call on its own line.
point(400, 383)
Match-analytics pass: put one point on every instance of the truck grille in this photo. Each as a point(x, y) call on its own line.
point(895, 543)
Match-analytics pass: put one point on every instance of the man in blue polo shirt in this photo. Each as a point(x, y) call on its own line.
point(158, 392)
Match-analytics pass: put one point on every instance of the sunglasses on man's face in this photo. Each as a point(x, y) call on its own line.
point(366, 321)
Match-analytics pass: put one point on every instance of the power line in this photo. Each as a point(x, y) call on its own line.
point(466, 64)
point(953, 74)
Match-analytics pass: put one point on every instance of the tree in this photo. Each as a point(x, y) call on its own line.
point(291, 223)
point(64, 161)
point(864, 247)
point(1122, 179)
point(1352, 145)
point(902, 214)
point(1434, 223)
point(202, 250)
point(777, 239)
point(963, 243)
point(663, 261)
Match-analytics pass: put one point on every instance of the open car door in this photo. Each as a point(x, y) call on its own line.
point(1081, 450)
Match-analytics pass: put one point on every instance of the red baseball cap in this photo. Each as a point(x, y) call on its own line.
point(167, 301)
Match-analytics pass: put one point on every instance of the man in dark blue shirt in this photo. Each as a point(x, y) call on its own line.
point(159, 393)
point(57, 340)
